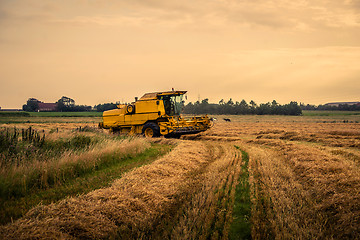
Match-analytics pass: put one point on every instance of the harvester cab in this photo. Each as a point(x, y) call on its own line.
point(154, 115)
point(173, 104)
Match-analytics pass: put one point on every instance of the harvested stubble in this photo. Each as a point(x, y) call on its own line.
point(331, 134)
point(208, 214)
point(129, 209)
point(305, 177)
point(282, 209)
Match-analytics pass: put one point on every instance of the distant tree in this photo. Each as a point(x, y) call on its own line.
point(292, 109)
point(67, 101)
point(65, 104)
point(105, 106)
point(275, 108)
point(253, 105)
point(204, 106)
point(242, 107)
point(32, 105)
point(80, 108)
point(229, 107)
point(230, 102)
point(263, 109)
point(307, 107)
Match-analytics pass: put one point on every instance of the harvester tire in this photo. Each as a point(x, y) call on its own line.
point(151, 129)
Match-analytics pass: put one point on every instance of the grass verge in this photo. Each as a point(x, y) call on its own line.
point(14, 114)
point(241, 225)
point(65, 114)
point(328, 113)
point(103, 176)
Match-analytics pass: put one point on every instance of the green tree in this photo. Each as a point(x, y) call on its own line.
point(253, 106)
point(263, 109)
point(243, 107)
point(65, 104)
point(105, 107)
point(32, 105)
point(292, 109)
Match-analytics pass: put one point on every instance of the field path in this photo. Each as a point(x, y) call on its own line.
point(188, 192)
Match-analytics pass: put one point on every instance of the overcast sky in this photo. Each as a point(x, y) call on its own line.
point(97, 51)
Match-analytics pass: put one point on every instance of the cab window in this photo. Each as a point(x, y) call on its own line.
point(173, 104)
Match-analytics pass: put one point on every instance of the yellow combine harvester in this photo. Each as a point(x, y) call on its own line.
point(154, 115)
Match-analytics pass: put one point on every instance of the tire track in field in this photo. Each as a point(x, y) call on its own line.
point(192, 186)
point(208, 214)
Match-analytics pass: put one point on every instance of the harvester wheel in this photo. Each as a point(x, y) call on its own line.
point(151, 129)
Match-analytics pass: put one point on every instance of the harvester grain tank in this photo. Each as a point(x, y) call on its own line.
point(154, 115)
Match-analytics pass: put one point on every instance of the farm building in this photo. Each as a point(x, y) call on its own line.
point(336, 104)
point(46, 107)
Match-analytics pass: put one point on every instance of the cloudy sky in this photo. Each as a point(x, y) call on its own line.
point(97, 51)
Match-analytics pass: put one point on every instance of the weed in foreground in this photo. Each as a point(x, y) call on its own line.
point(14, 141)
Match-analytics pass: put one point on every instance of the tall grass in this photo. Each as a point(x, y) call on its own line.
point(14, 141)
point(22, 146)
point(55, 161)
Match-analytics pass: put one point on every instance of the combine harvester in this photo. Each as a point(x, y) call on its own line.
point(154, 115)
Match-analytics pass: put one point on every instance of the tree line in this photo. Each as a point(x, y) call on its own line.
point(105, 106)
point(64, 104)
point(240, 108)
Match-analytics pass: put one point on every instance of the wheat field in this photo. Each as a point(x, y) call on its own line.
point(303, 174)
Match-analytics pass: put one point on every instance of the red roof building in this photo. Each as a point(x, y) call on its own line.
point(47, 107)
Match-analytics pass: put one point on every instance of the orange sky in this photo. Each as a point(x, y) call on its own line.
point(106, 51)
